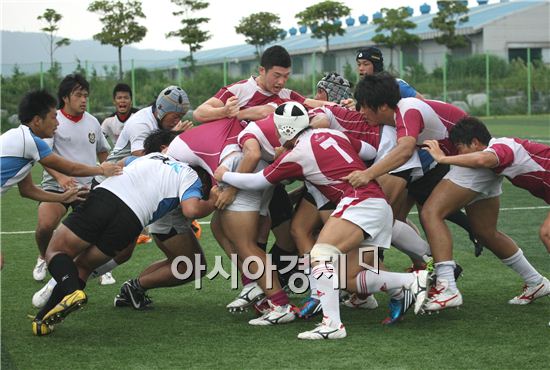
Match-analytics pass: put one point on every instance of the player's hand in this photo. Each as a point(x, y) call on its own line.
point(67, 182)
point(432, 147)
point(111, 169)
point(183, 126)
point(348, 103)
point(231, 107)
point(226, 197)
point(357, 178)
point(280, 150)
point(218, 174)
point(74, 194)
point(214, 194)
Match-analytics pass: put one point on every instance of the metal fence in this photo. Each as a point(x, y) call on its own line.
point(482, 84)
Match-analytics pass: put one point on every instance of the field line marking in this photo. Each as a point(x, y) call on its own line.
point(208, 222)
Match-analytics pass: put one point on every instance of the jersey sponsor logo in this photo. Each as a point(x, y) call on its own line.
point(91, 137)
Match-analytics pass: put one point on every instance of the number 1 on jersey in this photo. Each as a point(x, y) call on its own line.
point(330, 142)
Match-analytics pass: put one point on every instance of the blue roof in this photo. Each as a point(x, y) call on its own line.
point(361, 34)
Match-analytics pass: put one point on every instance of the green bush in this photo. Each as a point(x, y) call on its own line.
point(464, 76)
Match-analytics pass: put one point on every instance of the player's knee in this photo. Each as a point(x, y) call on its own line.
point(45, 226)
point(431, 214)
point(323, 252)
point(125, 254)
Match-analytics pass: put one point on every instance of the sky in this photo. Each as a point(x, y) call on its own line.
point(79, 24)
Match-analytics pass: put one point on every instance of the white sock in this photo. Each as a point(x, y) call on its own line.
point(404, 238)
point(519, 264)
point(312, 284)
point(52, 283)
point(106, 267)
point(327, 277)
point(371, 282)
point(446, 270)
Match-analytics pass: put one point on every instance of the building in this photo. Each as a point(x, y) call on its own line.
point(505, 29)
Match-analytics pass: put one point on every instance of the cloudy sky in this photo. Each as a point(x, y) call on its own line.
point(78, 23)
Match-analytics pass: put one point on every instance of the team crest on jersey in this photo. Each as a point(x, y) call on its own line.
point(91, 137)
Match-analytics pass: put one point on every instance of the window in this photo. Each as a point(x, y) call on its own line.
point(521, 53)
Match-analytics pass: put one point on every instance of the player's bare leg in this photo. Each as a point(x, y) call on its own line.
point(483, 216)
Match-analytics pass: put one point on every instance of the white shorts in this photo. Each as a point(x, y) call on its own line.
point(173, 219)
point(248, 200)
point(373, 215)
point(318, 197)
point(481, 180)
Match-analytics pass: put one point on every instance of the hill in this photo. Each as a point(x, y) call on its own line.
point(36, 47)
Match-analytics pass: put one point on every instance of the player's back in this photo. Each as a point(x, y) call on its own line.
point(150, 197)
point(427, 120)
point(203, 145)
point(351, 122)
point(326, 156)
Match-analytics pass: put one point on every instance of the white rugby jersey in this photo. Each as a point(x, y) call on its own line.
point(78, 141)
point(134, 133)
point(112, 126)
point(20, 150)
point(153, 185)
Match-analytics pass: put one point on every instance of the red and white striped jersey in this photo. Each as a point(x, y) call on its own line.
point(525, 163)
point(427, 120)
point(323, 157)
point(265, 132)
point(250, 94)
point(202, 145)
point(349, 121)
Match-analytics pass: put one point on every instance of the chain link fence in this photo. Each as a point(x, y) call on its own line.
point(482, 84)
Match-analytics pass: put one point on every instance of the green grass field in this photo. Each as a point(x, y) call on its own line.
point(190, 328)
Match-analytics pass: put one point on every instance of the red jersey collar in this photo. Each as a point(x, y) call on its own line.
point(75, 119)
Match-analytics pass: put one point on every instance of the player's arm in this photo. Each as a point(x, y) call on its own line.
point(251, 157)
point(245, 181)
point(320, 120)
point(214, 109)
point(257, 113)
point(192, 204)
point(57, 163)
point(105, 129)
point(366, 152)
point(27, 189)
point(193, 208)
point(102, 156)
point(312, 103)
point(404, 149)
point(482, 159)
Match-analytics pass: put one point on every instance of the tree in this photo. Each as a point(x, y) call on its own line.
point(449, 15)
point(52, 18)
point(190, 34)
point(324, 19)
point(260, 29)
point(119, 25)
point(395, 22)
